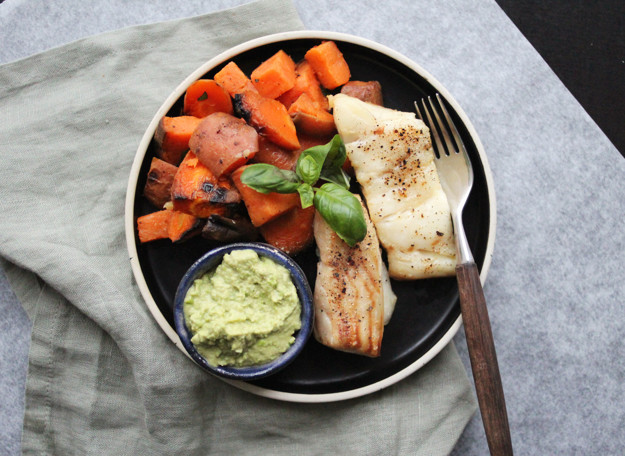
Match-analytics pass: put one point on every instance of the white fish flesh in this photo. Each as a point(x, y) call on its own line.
point(392, 156)
point(352, 291)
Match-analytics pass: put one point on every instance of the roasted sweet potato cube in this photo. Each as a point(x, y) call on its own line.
point(160, 177)
point(198, 192)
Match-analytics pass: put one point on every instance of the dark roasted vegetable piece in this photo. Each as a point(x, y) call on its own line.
point(157, 188)
point(370, 91)
point(224, 229)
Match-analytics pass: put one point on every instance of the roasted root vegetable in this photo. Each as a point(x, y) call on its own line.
point(305, 82)
point(154, 226)
point(172, 137)
point(309, 118)
point(205, 97)
point(369, 91)
point(197, 191)
point(275, 75)
point(157, 188)
point(224, 229)
point(183, 226)
point(223, 142)
point(269, 117)
point(232, 78)
point(273, 154)
point(329, 65)
point(263, 207)
point(291, 232)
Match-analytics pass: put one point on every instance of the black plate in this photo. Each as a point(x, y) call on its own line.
point(425, 310)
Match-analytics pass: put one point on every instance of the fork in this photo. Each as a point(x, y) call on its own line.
point(456, 177)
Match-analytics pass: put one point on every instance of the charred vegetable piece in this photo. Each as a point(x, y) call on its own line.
point(160, 177)
point(263, 207)
point(223, 143)
point(205, 97)
point(269, 117)
point(369, 91)
point(273, 154)
point(329, 64)
point(223, 229)
point(183, 226)
point(154, 226)
point(291, 232)
point(172, 137)
point(198, 192)
point(231, 78)
point(309, 118)
point(275, 75)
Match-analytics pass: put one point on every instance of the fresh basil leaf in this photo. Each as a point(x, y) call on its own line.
point(308, 169)
point(306, 195)
point(336, 154)
point(336, 175)
point(342, 211)
point(203, 97)
point(266, 178)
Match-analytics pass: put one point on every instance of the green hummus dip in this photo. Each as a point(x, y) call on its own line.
point(245, 312)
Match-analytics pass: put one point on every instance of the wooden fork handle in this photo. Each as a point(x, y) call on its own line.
point(483, 360)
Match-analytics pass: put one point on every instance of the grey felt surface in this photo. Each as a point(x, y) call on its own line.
point(555, 287)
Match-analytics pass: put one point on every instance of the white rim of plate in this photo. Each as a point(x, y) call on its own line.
point(143, 147)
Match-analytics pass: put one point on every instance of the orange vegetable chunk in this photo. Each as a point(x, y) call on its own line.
point(305, 82)
point(197, 191)
point(292, 232)
point(232, 78)
point(172, 137)
point(309, 118)
point(223, 142)
point(205, 97)
point(183, 226)
point(275, 75)
point(269, 117)
point(154, 226)
point(329, 64)
point(368, 91)
point(261, 207)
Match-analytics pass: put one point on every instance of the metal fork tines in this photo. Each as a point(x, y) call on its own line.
point(453, 165)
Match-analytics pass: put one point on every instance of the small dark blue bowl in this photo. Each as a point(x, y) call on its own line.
point(210, 261)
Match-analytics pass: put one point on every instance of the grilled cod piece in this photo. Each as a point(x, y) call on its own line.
point(353, 298)
point(392, 156)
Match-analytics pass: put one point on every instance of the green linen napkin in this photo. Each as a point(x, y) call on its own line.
point(103, 378)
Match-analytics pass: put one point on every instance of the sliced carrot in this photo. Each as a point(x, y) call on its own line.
point(223, 142)
point(275, 75)
point(292, 232)
point(273, 154)
point(269, 117)
point(198, 192)
point(309, 118)
point(183, 226)
point(329, 64)
point(261, 207)
point(154, 226)
point(157, 188)
point(232, 78)
point(172, 137)
point(205, 97)
point(305, 82)
point(369, 91)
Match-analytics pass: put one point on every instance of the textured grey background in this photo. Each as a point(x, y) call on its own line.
point(555, 287)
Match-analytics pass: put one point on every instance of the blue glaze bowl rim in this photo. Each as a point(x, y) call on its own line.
point(211, 260)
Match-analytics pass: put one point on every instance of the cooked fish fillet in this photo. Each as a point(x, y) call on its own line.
point(392, 156)
point(349, 296)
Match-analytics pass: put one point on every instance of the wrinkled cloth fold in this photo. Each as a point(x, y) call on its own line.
point(103, 378)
